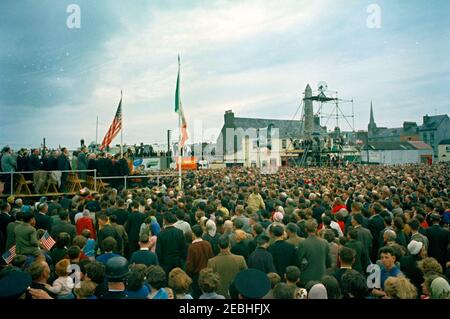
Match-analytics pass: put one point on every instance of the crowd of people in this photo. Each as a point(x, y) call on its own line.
point(317, 233)
point(41, 166)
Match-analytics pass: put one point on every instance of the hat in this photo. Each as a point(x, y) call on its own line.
point(116, 268)
point(211, 228)
point(252, 283)
point(414, 247)
point(278, 217)
point(43, 199)
point(13, 284)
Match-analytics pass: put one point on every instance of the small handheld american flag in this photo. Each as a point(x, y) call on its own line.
point(9, 255)
point(47, 241)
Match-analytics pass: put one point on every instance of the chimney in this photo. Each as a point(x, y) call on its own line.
point(229, 118)
point(426, 118)
point(409, 125)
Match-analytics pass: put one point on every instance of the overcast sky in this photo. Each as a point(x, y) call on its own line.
point(254, 57)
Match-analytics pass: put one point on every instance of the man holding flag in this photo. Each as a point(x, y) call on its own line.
point(27, 242)
point(183, 136)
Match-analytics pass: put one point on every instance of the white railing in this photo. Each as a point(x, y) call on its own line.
point(125, 178)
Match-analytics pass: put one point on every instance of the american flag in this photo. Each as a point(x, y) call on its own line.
point(9, 255)
point(47, 241)
point(115, 127)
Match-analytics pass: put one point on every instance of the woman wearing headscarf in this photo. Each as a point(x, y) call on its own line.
point(318, 291)
point(440, 289)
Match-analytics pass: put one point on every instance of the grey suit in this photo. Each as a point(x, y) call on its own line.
point(227, 265)
point(314, 258)
point(26, 240)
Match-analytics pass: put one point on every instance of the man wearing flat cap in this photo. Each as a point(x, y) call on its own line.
point(116, 272)
point(250, 284)
point(13, 283)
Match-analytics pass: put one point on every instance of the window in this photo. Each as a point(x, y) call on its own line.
point(284, 144)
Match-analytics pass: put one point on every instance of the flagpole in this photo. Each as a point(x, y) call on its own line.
point(121, 130)
point(180, 149)
point(96, 132)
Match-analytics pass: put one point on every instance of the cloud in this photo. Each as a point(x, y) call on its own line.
point(254, 57)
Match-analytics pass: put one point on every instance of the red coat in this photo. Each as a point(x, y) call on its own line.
point(85, 223)
point(341, 225)
point(338, 208)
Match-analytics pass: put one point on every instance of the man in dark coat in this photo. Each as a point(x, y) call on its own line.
point(376, 225)
point(120, 212)
point(92, 164)
point(170, 246)
point(438, 240)
point(5, 219)
point(42, 220)
point(53, 161)
point(35, 162)
point(133, 226)
point(144, 255)
point(313, 254)
point(283, 253)
point(260, 258)
point(107, 230)
point(82, 163)
point(361, 259)
point(64, 165)
point(64, 226)
point(409, 264)
point(102, 166)
point(364, 235)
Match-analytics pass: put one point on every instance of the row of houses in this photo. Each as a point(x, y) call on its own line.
point(272, 142)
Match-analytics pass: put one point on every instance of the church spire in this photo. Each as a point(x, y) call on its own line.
point(372, 126)
point(372, 120)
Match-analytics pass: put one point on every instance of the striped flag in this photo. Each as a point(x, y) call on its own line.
point(115, 127)
point(179, 110)
point(47, 241)
point(9, 255)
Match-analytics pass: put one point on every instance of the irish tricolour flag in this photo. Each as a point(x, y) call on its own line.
point(179, 110)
